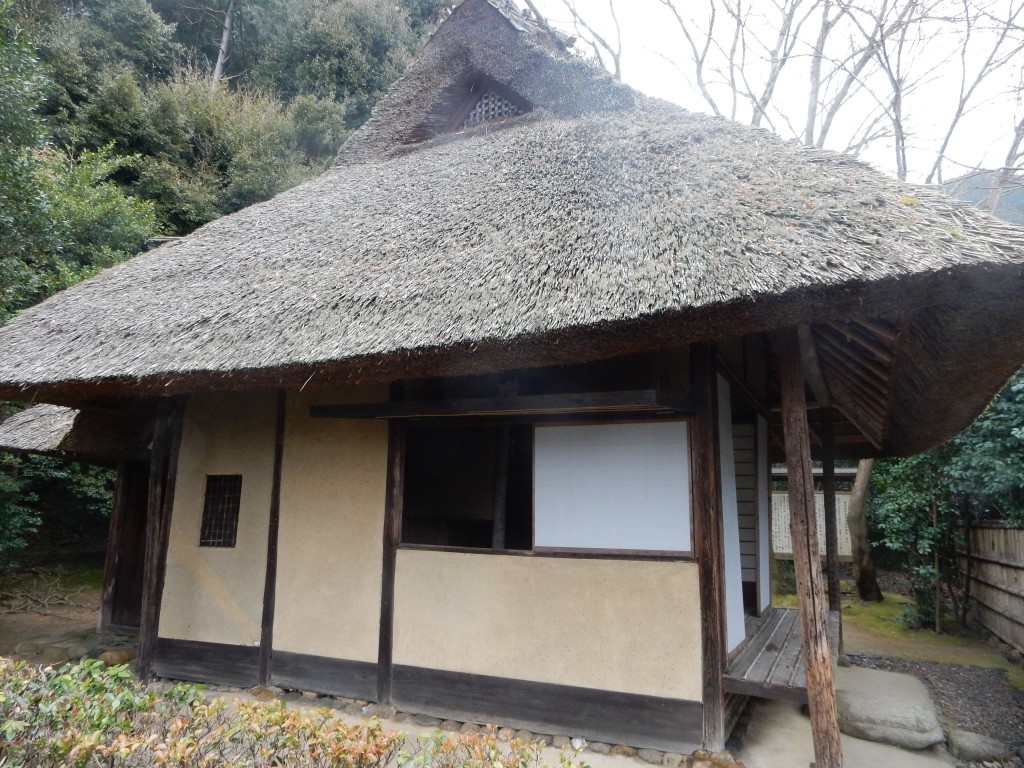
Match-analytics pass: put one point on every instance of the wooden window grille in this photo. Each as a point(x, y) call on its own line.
point(220, 511)
point(492, 106)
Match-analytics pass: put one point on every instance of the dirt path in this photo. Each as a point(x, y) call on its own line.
point(42, 626)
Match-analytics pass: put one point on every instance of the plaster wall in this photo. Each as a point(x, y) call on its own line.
point(215, 594)
point(333, 488)
point(617, 625)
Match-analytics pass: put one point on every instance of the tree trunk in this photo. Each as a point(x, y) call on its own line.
point(857, 521)
point(224, 51)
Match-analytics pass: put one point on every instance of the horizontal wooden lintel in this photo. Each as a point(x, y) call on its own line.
point(629, 401)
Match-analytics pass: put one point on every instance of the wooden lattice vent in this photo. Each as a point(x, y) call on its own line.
point(484, 102)
point(492, 106)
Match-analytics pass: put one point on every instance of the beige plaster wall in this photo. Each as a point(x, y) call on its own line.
point(215, 594)
point(333, 489)
point(620, 625)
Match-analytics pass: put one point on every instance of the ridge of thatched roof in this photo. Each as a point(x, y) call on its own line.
point(569, 233)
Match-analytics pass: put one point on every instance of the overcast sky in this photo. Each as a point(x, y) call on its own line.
point(654, 61)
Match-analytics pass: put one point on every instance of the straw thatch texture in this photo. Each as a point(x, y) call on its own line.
point(90, 434)
point(39, 429)
point(615, 224)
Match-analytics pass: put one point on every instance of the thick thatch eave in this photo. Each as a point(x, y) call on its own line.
point(91, 435)
point(613, 224)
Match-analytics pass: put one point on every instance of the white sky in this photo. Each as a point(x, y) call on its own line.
point(655, 61)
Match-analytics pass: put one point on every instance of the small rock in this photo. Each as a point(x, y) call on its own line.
point(469, 728)
point(671, 760)
point(53, 654)
point(404, 717)
point(330, 703)
point(266, 691)
point(310, 694)
point(1016, 656)
point(623, 750)
point(542, 738)
point(381, 711)
point(561, 742)
point(599, 747)
point(449, 725)
point(843, 660)
point(353, 709)
point(77, 651)
point(114, 657)
point(426, 721)
point(652, 756)
point(524, 735)
point(27, 648)
point(344, 700)
point(506, 733)
point(974, 747)
point(291, 696)
point(887, 719)
point(158, 686)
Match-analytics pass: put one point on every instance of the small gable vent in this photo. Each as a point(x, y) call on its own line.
point(492, 106)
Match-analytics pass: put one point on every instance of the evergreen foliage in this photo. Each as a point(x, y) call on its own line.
point(918, 503)
point(111, 132)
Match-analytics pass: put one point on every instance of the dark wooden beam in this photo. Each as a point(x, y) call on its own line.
point(828, 484)
point(708, 533)
point(274, 526)
point(812, 368)
point(581, 402)
point(821, 694)
point(392, 536)
point(113, 547)
point(163, 473)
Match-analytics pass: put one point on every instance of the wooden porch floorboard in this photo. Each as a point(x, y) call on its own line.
point(771, 663)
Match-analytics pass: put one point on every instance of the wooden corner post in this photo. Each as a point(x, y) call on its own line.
point(273, 529)
point(392, 536)
point(821, 693)
point(163, 471)
point(708, 539)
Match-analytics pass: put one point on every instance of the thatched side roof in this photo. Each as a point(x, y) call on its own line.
point(601, 222)
point(89, 435)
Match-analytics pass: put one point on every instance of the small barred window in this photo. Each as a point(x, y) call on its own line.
point(220, 511)
point(492, 106)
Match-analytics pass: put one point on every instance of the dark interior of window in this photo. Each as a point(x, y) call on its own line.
point(220, 511)
point(469, 485)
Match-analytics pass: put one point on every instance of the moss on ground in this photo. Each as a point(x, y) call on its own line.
point(876, 628)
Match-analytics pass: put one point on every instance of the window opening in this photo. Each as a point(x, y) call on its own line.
point(468, 485)
point(220, 511)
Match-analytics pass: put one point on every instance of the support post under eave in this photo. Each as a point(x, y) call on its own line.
point(708, 540)
point(163, 470)
point(821, 693)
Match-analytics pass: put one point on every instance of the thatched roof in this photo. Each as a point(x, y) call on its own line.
point(91, 435)
point(599, 223)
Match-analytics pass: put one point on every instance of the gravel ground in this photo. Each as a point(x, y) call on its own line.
point(971, 698)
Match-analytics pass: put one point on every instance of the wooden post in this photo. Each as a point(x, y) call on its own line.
point(500, 505)
point(163, 470)
point(708, 539)
point(828, 482)
point(821, 694)
point(392, 536)
point(270, 582)
point(113, 549)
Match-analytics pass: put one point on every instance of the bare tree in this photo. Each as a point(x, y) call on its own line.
point(224, 49)
point(598, 44)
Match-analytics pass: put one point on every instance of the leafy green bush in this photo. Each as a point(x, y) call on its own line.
point(90, 715)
